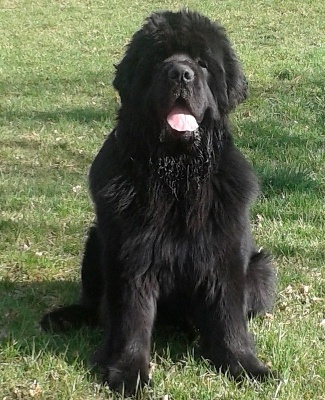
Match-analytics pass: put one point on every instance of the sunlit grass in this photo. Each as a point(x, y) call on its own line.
point(56, 105)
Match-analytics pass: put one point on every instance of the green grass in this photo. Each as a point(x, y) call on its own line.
point(56, 105)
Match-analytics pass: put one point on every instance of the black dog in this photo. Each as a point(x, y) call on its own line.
point(172, 196)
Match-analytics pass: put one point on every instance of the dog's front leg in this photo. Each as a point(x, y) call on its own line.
point(125, 354)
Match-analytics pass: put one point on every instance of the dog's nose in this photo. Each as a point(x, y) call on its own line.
point(181, 73)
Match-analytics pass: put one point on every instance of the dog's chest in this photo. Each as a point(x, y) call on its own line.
point(162, 229)
point(172, 238)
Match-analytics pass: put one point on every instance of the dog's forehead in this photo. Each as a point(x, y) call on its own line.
point(185, 32)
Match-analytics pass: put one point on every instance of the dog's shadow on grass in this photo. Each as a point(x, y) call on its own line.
point(22, 308)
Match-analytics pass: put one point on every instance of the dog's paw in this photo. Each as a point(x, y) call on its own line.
point(251, 367)
point(127, 380)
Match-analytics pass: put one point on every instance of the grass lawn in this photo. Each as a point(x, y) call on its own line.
point(56, 105)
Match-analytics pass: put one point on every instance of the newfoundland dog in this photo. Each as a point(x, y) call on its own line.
point(172, 240)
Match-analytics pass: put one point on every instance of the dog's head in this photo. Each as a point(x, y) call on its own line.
point(179, 68)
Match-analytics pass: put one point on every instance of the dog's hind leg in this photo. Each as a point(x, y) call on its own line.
point(261, 282)
point(222, 323)
point(87, 311)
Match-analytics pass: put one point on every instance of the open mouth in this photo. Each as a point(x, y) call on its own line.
point(181, 119)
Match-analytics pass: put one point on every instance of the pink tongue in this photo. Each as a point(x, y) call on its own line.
point(181, 120)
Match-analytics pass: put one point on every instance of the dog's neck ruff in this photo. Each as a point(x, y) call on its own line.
point(183, 174)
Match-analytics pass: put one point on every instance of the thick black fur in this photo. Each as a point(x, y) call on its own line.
point(172, 236)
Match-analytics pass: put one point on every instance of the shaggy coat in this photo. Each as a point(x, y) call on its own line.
point(172, 239)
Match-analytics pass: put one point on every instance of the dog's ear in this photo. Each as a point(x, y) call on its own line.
point(124, 72)
point(237, 85)
point(230, 84)
point(121, 80)
point(126, 69)
point(137, 56)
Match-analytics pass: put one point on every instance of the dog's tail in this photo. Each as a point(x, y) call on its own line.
point(261, 283)
point(65, 318)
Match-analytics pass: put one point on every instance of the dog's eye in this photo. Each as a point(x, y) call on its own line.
point(202, 63)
